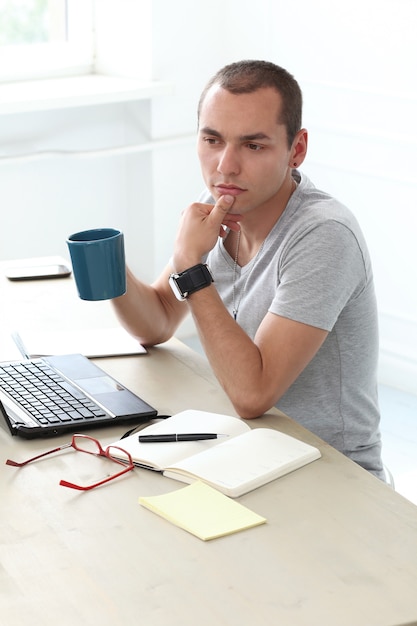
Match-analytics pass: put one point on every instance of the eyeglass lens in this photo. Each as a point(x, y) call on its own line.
point(87, 444)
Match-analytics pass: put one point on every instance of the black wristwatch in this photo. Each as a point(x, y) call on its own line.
point(187, 282)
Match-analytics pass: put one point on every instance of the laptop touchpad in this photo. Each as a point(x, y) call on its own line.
point(100, 384)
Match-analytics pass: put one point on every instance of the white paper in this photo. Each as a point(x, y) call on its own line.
point(91, 342)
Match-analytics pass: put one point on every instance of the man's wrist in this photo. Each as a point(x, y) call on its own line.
point(190, 280)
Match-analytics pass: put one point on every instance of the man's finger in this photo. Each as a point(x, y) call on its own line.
point(221, 210)
point(224, 203)
point(232, 225)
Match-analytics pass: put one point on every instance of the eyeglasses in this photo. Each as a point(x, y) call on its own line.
point(84, 443)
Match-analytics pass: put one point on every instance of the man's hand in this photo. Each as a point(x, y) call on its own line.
point(200, 226)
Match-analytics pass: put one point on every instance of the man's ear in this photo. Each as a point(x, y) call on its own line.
point(299, 148)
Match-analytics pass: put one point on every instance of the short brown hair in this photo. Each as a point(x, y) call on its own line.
point(249, 76)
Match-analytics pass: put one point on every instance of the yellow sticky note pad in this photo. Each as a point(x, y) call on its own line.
point(202, 511)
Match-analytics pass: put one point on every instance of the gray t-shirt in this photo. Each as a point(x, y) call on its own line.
point(314, 267)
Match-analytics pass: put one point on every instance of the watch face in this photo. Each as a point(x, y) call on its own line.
point(175, 288)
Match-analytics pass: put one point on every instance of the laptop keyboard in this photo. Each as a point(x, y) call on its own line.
point(46, 395)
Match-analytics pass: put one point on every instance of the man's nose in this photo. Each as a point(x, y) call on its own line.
point(228, 162)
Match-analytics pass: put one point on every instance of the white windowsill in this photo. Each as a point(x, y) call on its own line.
point(75, 91)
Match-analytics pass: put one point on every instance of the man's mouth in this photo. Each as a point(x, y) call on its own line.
point(231, 190)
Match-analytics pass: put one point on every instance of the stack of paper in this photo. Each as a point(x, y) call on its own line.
point(203, 511)
point(91, 342)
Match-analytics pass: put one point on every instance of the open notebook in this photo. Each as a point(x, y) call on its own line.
point(244, 460)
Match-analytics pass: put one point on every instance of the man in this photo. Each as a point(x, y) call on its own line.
point(290, 319)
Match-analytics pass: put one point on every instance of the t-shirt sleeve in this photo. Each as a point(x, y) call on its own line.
point(321, 271)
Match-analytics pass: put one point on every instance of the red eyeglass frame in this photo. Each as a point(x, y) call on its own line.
point(128, 464)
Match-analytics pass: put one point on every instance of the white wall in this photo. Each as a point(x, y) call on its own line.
point(356, 63)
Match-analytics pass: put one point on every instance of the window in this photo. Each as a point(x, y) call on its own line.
point(32, 21)
point(45, 38)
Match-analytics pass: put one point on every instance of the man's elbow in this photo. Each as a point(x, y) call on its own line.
point(251, 408)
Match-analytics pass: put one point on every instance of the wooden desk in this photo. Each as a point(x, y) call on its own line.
point(339, 548)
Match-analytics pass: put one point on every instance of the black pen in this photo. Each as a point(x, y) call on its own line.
point(178, 437)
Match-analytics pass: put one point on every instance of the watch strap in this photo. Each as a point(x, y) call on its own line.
point(193, 279)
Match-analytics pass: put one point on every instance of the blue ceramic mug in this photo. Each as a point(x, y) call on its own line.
point(98, 263)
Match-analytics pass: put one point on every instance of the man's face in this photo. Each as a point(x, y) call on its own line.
point(243, 151)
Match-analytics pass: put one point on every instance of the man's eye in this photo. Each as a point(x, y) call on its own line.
point(211, 140)
point(254, 146)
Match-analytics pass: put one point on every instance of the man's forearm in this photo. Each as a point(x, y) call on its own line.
point(254, 373)
point(234, 357)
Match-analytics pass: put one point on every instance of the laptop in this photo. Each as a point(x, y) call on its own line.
point(52, 395)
